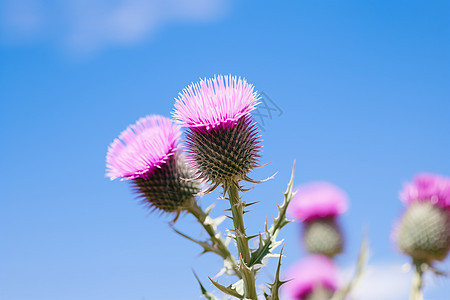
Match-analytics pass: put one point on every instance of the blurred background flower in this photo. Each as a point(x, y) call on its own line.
point(314, 277)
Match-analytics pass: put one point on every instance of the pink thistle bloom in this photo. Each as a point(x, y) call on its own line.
point(220, 101)
point(147, 154)
point(142, 147)
point(222, 138)
point(317, 200)
point(311, 273)
point(427, 188)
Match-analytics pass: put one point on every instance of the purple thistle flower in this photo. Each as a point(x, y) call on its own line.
point(317, 200)
point(313, 274)
point(222, 138)
point(147, 153)
point(427, 188)
point(216, 102)
point(142, 147)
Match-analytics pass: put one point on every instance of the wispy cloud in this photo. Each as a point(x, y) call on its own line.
point(91, 25)
point(382, 280)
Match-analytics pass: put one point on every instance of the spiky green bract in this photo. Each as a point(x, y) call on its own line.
point(267, 240)
point(168, 187)
point(424, 232)
point(323, 236)
point(225, 153)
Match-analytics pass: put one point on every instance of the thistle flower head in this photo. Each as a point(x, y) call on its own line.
point(142, 148)
point(216, 102)
point(221, 138)
point(147, 154)
point(323, 236)
point(427, 188)
point(315, 273)
point(424, 232)
point(317, 200)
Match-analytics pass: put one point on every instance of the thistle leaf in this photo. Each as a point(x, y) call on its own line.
point(205, 293)
point(275, 286)
point(230, 290)
point(267, 241)
point(206, 246)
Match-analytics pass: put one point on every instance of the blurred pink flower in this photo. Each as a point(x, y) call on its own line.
point(312, 272)
point(427, 187)
point(142, 147)
point(317, 200)
point(218, 101)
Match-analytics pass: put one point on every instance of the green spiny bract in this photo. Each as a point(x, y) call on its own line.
point(424, 232)
point(226, 153)
point(323, 236)
point(168, 188)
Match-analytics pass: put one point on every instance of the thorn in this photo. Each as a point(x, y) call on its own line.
point(247, 189)
point(261, 166)
point(208, 190)
point(252, 203)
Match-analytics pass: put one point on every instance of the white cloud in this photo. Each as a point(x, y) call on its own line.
point(90, 25)
point(384, 281)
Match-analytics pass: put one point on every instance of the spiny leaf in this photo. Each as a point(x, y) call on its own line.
point(206, 247)
point(227, 289)
point(205, 293)
point(275, 286)
point(269, 242)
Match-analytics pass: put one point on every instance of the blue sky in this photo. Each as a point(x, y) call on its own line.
point(363, 87)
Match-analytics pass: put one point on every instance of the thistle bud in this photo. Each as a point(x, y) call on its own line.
point(424, 232)
point(323, 236)
point(317, 205)
point(222, 137)
point(147, 154)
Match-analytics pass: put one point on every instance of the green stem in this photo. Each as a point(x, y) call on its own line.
point(417, 283)
point(237, 210)
point(218, 242)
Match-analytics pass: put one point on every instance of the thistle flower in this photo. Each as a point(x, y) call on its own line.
point(427, 188)
point(222, 137)
point(314, 277)
point(147, 153)
point(316, 205)
point(424, 232)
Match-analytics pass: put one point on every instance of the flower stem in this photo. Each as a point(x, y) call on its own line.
point(216, 239)
point(237, 210)
point(417, 283)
